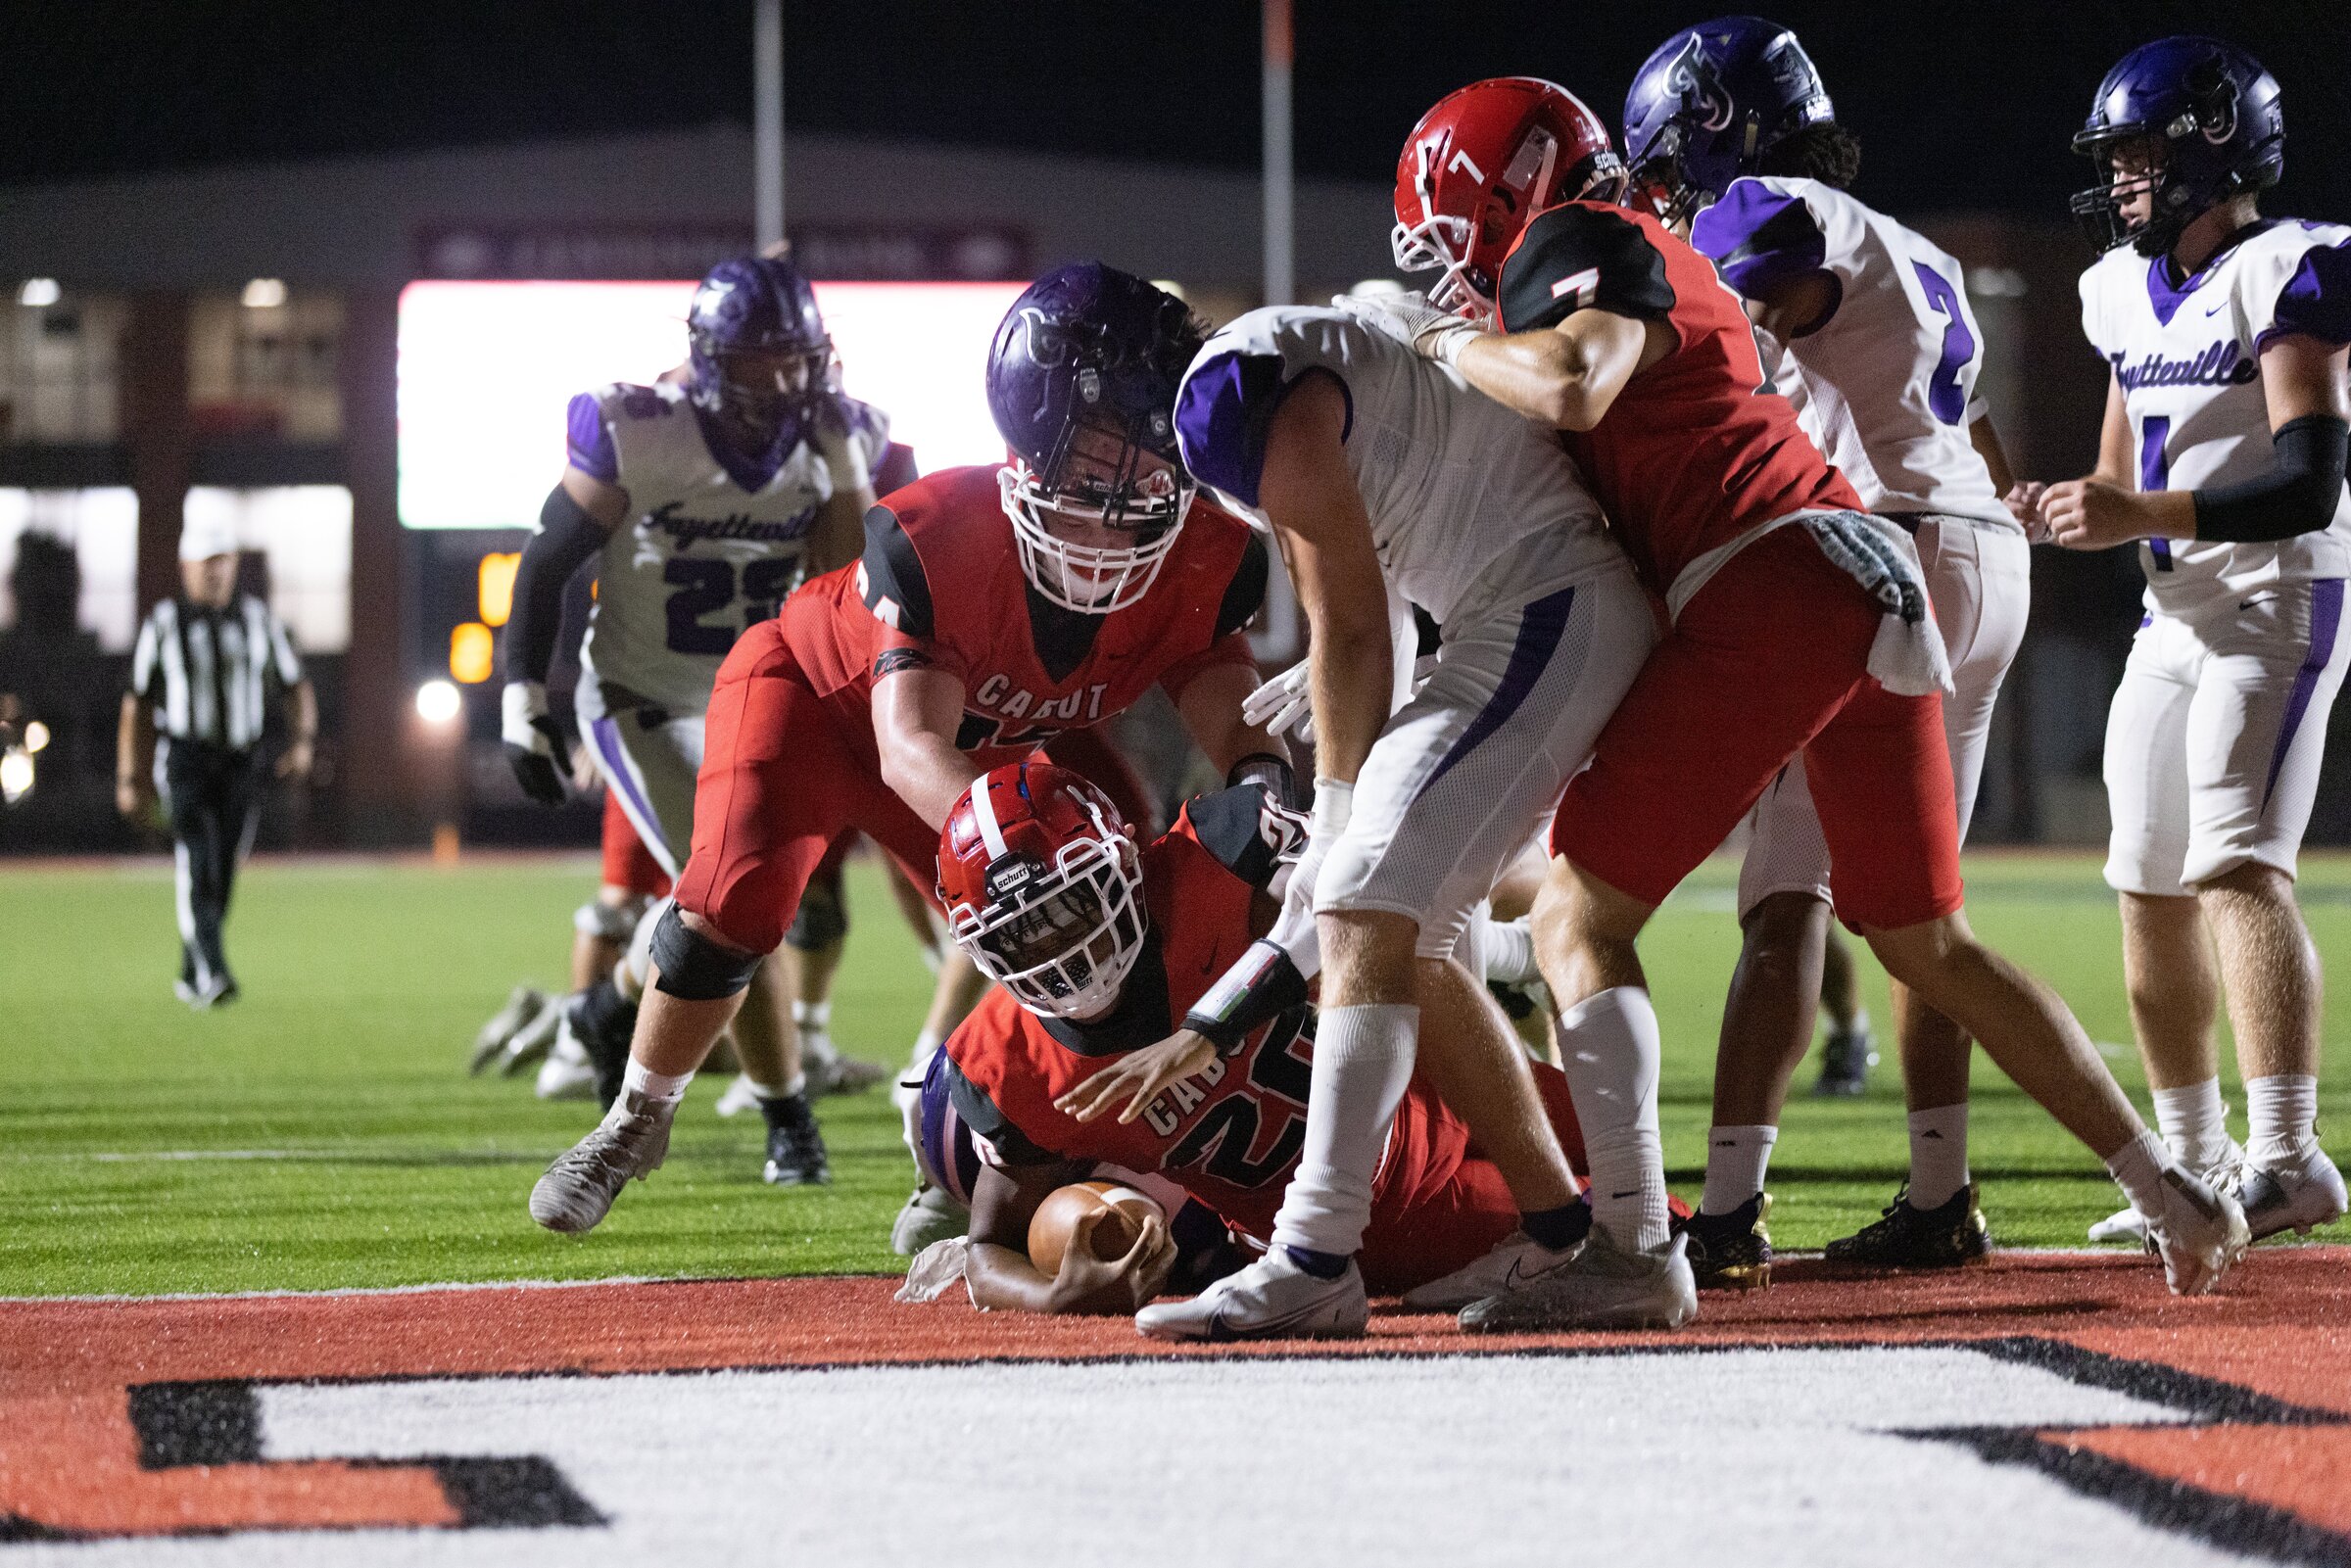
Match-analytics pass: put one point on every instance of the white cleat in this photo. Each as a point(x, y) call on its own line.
point(2292, 1196)
point(2130, 1226)
point(533, 1039)
point(522, 1005)
point(1516, 1261)
point(566, 1074)
point(1604, 1286)
point(928, 1217)
point(742, 1095)
point(1272, 1299)
point(629, 1144)
point(2200, 1232)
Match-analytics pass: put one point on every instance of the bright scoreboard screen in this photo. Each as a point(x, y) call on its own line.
point(487, 369)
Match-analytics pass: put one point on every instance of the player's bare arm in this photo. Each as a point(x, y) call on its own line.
point(917, 708)
point(1565, 376)
point(1002, 1277)
point(2303, 386)
point(838, 533)
point(135, 744)
point(1210, 705)
point(579, 516)
point(302, 749)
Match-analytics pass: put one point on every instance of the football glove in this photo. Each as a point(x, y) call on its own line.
point(1281, 705)
point(535, 744)
point(1413, 321)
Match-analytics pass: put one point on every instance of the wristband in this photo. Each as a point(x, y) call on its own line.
point(1334, 803)
point(1269, 773)
point(1260, 986)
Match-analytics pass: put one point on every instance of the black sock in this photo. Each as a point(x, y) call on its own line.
point(786, 1112)
point(1322, 1265)
point(1559, 1228)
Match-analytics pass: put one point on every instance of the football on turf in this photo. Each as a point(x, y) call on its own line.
point(1056, 1221)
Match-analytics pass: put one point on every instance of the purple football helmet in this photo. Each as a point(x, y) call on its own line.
point(1081, 381)
point(758, 352)
point(2207, 119)
point(1708, 104)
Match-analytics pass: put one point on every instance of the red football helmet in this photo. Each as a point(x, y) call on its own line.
point(1043, 887)
point(1480, 163)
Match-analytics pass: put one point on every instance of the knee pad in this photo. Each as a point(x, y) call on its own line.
point(608, 923)
point(694, 968)
point(823, 917)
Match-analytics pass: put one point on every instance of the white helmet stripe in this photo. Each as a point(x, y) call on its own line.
point(984, 812)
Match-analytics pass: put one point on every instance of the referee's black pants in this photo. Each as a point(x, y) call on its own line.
point(214, 795)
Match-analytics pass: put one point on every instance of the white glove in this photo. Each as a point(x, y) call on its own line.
point(1281, 705)
point(1413, 321)
point(1294, 928)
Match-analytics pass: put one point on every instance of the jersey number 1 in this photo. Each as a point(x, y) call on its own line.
point(705, 585)
point(1943, 393)
point(2155, 473)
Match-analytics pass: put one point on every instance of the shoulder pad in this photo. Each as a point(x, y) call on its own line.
point(1224, 412)
point(588, 439)
point(999, 1138)
point(2316, 301)
point(1759, 237)
point(1247, 832)
point(1582, 256)
point(890, 578)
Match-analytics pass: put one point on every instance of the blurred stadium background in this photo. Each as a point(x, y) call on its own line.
point(331, 275)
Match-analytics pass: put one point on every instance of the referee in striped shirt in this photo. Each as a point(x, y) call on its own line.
point(202, 668)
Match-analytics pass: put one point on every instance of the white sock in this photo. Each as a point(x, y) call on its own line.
point(666, 1087)
point(2137, 1168)
point(2194, 1122)
point(1612, 1050)
point(2281, 1113)
point(1938, 1154)
point(815, 1017)
point(1736, 1158)
point(1363, 1064)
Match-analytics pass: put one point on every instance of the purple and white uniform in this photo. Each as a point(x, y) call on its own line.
point(711, 546)
point(2213, 741)
point(1885, 385)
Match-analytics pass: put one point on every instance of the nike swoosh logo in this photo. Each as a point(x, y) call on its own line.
point(2258, 598)
point(1634, 1193)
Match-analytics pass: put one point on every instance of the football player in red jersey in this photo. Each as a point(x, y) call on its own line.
point(992, 610)
point(1799, 624)
point(1099, 948)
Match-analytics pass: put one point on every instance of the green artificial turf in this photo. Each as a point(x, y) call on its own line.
point(321, 1131)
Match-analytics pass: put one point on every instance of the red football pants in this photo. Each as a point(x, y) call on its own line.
point(784, 775)
point(1769, 659)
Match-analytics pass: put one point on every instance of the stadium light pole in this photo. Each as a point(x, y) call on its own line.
point(1281, 283)
point(767, 122)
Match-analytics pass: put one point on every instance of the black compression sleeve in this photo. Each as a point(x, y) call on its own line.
point(566, 537)
point(2297, 496)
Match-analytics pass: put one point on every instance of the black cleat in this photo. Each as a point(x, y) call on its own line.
point(796, 1146)
point(1903, 1237)
point(1846, 1058)
point(1733, 1250)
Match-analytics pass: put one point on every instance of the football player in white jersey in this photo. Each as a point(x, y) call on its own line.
point(1729, 128)
point(704, 500)
point(2222, 452)
point(1378, 470)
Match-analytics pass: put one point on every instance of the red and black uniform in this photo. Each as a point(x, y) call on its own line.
point(1231, 1135)
point(1697, 462)
point(790, 760)
point(627, 862)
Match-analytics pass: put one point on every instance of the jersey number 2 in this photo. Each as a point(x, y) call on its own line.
point(705, 585)
point(1944, 395)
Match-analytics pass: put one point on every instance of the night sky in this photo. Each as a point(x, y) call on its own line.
point(1959, 106)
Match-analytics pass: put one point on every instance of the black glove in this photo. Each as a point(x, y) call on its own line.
point(535, 744)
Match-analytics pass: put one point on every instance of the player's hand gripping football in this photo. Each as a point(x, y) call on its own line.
point(1116, 1286)
point(535, 745)
point(1138, 1077)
